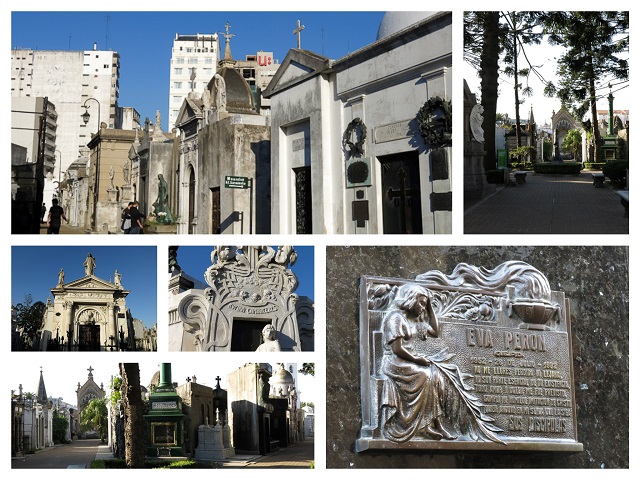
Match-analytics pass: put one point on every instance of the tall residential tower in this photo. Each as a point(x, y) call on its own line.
point(194, 59)
point(69, 79)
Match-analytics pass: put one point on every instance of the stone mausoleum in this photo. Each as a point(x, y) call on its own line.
point(87, 314)
point(362, 144)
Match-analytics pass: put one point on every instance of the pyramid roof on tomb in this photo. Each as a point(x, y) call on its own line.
point(297, 67)
point(191, 108)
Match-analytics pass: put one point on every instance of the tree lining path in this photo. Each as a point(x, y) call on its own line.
point(549, 204)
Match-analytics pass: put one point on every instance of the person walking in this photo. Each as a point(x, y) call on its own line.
point(56, 215)
point(126, 219)
point(136, 217)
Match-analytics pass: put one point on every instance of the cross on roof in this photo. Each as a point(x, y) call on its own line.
point(90, 370)
point(297, 32)
point(228, 35)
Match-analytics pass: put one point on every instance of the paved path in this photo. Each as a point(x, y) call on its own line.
point(549, 204)
point(78, 454)
point(65, 229)
point(299, 455)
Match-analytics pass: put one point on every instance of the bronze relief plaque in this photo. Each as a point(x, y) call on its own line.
point(476, 360)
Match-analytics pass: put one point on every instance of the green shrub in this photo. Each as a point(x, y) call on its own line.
point(522, 166)
point(616, 171)
point(564, 168)
point(593, 165)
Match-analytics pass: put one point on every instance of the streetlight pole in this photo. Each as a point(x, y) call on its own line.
point(59, 174)
point(85, 118)
point(86, 115)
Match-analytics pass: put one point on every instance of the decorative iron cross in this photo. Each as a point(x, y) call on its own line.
point(403, 193)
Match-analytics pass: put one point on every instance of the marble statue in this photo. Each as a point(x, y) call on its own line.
point(89, 265)
point(269, 341)
point(475, 121)
point(61, 277)
point(126, 171)
point(220, 93)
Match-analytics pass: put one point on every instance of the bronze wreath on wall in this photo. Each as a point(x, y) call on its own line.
point(357, 147)
point(434, 121)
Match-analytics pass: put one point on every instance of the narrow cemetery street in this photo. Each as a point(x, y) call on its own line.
point(549, 204)
point(78, 454)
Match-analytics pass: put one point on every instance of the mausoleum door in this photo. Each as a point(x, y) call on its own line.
point(303, 199)
point(246, 335)
point(89, 338)
point(401, 210)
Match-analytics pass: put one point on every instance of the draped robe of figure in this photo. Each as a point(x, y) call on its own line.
point(412, 394)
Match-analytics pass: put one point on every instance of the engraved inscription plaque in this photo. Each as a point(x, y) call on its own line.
point(476, 360)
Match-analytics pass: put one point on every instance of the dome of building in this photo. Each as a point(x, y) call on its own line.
point(238, 92)
point(393, 22)
point(282, 382)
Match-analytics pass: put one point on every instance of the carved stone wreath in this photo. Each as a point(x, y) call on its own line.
point(434, 121)
point(355, 148)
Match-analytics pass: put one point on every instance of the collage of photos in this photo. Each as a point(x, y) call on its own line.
point(448, 285)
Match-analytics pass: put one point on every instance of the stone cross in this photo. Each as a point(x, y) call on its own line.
point(297, 32)
point(90, 370)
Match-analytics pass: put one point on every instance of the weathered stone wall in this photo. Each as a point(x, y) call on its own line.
point(235, 146)
point(594, 279)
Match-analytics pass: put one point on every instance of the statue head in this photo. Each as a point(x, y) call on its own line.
point(268, 333)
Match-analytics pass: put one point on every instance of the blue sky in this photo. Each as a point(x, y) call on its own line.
point(34, 270)
point(144, 40)
point(194, 260)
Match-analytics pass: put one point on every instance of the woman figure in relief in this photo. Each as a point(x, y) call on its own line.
point(413, 393)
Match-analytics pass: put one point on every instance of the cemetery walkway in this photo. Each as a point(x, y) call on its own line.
point(299, 455)
point(78, 454)
point(549, 204)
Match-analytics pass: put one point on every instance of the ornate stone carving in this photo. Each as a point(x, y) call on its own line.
point(89, 316)
point(246, 282)
point(479, 359)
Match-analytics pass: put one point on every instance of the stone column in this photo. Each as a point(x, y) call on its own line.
point(67, 320)
point(111, 325)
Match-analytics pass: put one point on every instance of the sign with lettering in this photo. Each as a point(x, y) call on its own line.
point(392, 131)
point(164, 405)
point(299, 144)
point(236, 182)
point(476, 360)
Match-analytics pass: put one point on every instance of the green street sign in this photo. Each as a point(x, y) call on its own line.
point(236, 182)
